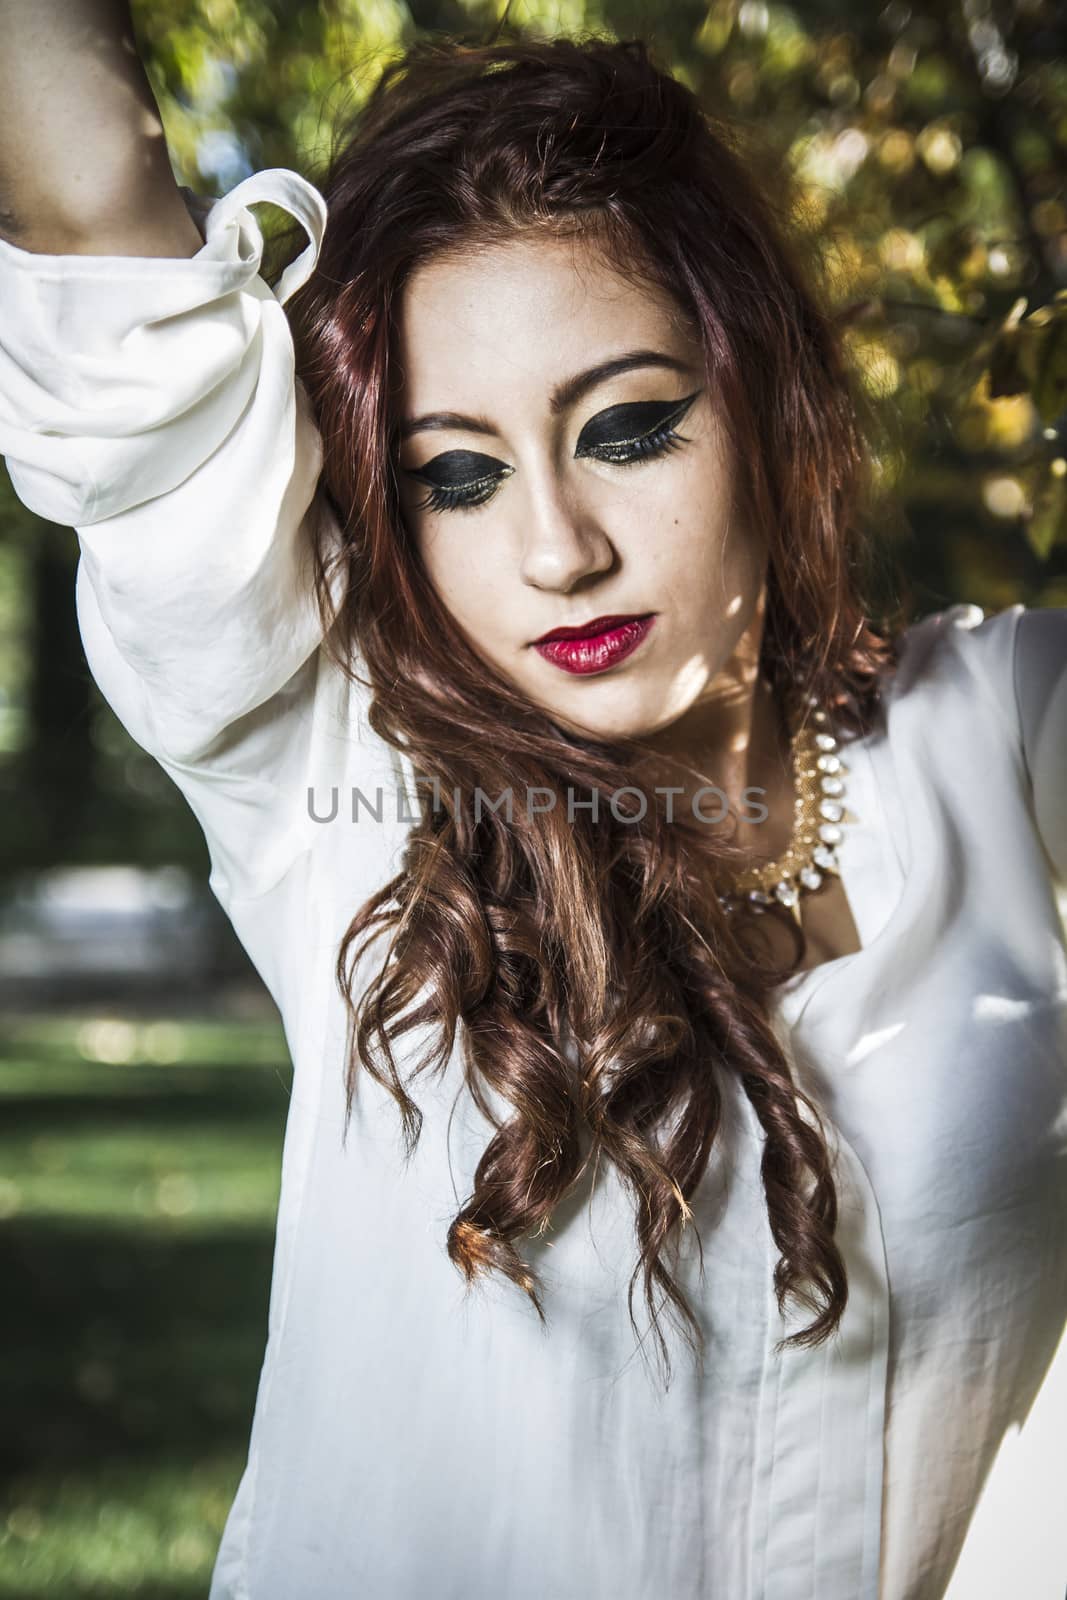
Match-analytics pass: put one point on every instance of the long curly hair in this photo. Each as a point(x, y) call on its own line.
point(597, 985)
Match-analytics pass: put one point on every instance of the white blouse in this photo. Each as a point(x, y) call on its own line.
point(409, 1441)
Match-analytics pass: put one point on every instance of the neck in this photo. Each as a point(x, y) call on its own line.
point(735, 738)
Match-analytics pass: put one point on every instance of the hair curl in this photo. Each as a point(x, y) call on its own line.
point(602, 990)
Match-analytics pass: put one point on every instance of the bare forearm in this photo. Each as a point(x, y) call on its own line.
point(83, 162)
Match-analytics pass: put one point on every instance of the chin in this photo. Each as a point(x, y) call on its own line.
point(609, 726)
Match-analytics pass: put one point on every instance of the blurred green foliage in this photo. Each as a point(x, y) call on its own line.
point(920, 152)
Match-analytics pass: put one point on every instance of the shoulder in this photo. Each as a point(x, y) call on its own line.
point(961, 649)
point(983, 700)
point(1010, 665)
point(964, 635)
point(1040, 667)
point(1004, 652)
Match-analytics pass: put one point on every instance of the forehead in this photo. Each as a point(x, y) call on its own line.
point(524, 313)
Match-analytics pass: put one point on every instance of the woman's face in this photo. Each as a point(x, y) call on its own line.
point(562, 460)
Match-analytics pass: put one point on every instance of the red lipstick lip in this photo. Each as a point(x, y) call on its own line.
point(587, 654)
point(593, 629)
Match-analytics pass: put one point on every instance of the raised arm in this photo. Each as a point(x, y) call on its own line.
point(148, 399)
point(84, 167)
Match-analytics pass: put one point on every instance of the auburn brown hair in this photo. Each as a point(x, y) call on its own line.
point(596, 984)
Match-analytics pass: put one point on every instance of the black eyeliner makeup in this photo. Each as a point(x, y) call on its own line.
point(636, 421)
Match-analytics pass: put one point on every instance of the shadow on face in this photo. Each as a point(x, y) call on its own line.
point(562, 459)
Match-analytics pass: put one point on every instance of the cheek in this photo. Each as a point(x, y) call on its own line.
point(444, 559)
point(696, 547)
point(718, 544)
point(463, 572)
point(743, 559)
point(706, 566)
point(694, 508)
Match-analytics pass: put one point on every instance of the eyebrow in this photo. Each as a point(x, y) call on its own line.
point(564, 395)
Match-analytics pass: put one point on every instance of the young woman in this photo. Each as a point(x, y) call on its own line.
point(711, 948)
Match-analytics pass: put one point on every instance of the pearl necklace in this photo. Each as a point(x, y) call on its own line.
point(818, 811)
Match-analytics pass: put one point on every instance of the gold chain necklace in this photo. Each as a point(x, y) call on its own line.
point(817, 813)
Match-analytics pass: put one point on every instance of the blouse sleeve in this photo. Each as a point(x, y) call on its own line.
point(1040, 672)
point(151, 404)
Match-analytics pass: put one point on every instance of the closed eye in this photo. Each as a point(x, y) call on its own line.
point(612, 433)
point(622, 435)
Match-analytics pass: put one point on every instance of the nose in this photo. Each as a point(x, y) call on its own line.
point(564, 542)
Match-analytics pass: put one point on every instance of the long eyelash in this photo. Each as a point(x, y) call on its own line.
point(658, 443)
point(468, 496)
point(464, 497)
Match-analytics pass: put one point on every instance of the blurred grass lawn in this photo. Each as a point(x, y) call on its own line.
point(139, 1173)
